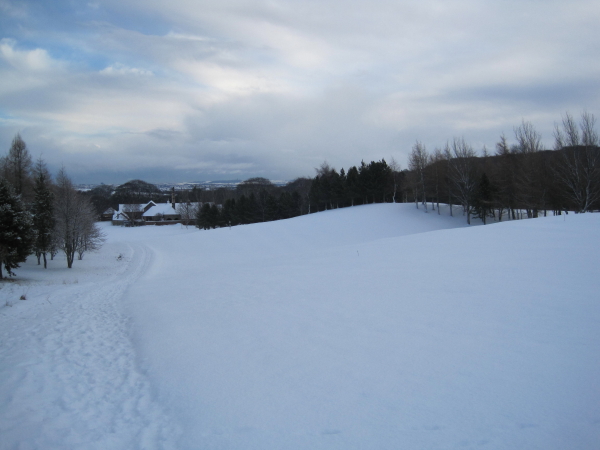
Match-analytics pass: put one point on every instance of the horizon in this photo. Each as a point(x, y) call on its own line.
point(205, 183)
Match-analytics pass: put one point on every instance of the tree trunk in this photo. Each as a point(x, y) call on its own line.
point(70, 257)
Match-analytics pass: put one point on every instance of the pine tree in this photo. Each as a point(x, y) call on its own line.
point(17, 168)
point(227, 213)
point(483, 201)
point(353, 184)
point(242, 214)
point(16, 231)
point(215, 216)
point(203, 217)
point(43, 212)
point(315, 194)
point(254, 214)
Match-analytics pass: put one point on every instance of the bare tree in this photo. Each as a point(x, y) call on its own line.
point(396, 176)
point(578, 168)
point(463, 174)
point(91, 238)
point(417, 162)
point(436, 168)
point(506, 169)
point(187, 211)
point(75, 229)
point(530, 177)
point(528, 139)
point(447, 180)
point(133, 211)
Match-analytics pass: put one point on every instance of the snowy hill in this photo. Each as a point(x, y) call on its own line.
point(377, 326)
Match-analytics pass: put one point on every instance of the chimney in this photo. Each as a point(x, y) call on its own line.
point(173, 197)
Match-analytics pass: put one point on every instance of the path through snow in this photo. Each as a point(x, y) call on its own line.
point(68, 376)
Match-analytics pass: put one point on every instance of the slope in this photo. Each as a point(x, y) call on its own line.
point(352, 329)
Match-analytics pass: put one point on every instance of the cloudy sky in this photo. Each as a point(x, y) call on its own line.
point(187, 90)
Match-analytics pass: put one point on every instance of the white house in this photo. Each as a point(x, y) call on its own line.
point(131, 213)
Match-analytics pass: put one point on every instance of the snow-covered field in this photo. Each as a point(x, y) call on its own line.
point(374, 327)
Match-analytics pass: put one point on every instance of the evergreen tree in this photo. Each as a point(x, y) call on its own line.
point(16, 230)
point(380, 176)
point(287, 205)
point(17, 168)
point(254, 214)
point(353, 184)
point(228, 213)
point(315, 194)
point(338, 187)
point(242, 214)
point(203, 217)
point(296, 204)
point(214, 216)
point(273, 210)
point(483, 201)
point(364, 182)
point(43, 212)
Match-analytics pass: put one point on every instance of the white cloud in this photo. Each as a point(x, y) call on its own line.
point(16, 10)
point(120, 69)
point(188, 37)
point(35, 60)
point(281, 85)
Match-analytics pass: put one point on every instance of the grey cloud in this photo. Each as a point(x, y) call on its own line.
point(188, 89)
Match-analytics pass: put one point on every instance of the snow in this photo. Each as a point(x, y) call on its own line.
point(379, 326)
point(161, 208)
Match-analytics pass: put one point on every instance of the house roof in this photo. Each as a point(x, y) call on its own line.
point(165, 209)
point(121, 213)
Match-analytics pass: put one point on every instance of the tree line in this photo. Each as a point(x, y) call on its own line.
point(41, 215)
point(258, 200)
point(255, 200)
point(521, 179)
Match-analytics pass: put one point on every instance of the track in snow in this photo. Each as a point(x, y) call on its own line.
point(68, 375)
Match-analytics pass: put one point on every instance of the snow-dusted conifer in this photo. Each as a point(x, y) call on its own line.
point(16, 232)
point(43, 211)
